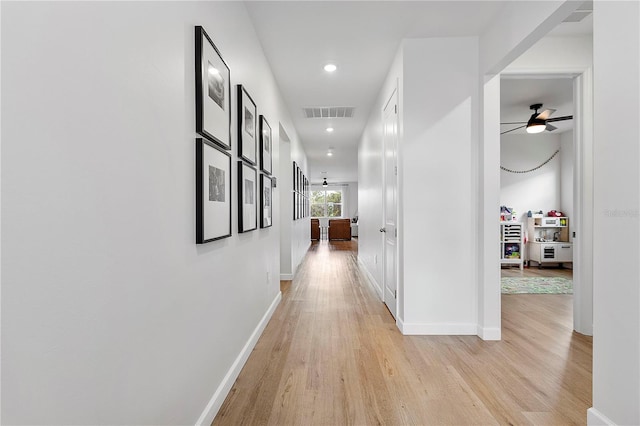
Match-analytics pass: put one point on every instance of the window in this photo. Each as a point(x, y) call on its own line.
point(326, 203)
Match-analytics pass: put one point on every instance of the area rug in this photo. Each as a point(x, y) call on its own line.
point(536, 285)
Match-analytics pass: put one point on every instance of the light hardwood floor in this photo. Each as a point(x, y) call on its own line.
point(546, 271)
point(332, 355)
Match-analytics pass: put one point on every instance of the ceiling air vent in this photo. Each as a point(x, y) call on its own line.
point(328, 112)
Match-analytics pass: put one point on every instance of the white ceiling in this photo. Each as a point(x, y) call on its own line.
point(517, 94)
point(361, 38)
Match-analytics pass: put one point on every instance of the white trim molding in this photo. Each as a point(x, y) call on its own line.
point(596, 418)
point(489, 333)
point(286, 277)
point(425, 329)
point(210, 411)
point(372, 281)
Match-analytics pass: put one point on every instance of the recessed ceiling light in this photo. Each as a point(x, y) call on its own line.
point(329, 129)
point(330, 68)
point(329, 154)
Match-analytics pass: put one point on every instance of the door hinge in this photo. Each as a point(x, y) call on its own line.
point(395, 109)
point(395, 294)
point(395, 231)
point(395, 170)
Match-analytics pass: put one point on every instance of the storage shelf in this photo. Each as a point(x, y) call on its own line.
point(511, 241)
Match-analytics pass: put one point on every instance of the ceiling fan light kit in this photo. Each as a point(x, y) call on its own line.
point(535, 125)
point(539, 122)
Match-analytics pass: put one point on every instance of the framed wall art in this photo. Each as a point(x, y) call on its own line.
point(247, 197)
point(295, 176)
point(300, 180)
point(266, 202)
point(247, 126)
point(266, 146)
point(295, 205)
point(213, 92)
point(213, 192)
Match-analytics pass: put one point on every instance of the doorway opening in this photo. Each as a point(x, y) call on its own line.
point(547, 59)
point(536, 184)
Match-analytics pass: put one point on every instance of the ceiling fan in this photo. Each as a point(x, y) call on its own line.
point(538, 122)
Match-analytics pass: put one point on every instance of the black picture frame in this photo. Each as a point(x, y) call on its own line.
point(213, 192)
point(266, 202)
point(247, 126)
point(295, 176)
point(300, 180)
point(247, 197)
point(296, 211)
point(266, 146)
point(213, 91)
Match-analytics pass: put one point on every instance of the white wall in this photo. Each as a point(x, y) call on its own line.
point(616, 270)
point(295, 235)
point(110, 312)
point(435, 165)
point(370, 155)
point(566, 174)
point(538, 190)
point(351, 200)
point(444, 143)
point(518, 27)
point(555, 53)
point(436, 294)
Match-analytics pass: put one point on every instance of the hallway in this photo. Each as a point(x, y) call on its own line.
point(332, 354)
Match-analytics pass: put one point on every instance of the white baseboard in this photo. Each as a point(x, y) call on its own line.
point(424, 329)
point(596, 418)
point(286, 277)
point(489, 333)
point(210, 411)
point(372, 281)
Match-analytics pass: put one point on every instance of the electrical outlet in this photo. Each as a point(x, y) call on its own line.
point(375, 259)
point(268, 277)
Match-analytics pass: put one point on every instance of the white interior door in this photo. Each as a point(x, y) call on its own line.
point(390, 177)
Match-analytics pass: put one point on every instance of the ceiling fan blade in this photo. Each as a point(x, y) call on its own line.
point(502, 133)
point(550, 128)
point(566, 117)
point(516, 122)
point(544, 115)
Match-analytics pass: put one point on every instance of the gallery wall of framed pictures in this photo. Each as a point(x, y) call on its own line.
point(301, 204)
point(214, 176)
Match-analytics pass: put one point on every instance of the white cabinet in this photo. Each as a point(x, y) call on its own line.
point(511, 243)
point(548, 240)
point(552, 252)
point(564, 252)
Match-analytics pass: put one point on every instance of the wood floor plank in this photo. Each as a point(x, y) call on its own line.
point(332, 355)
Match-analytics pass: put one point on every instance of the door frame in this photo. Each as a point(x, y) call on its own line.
point(582, 199)
point(393, 97)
